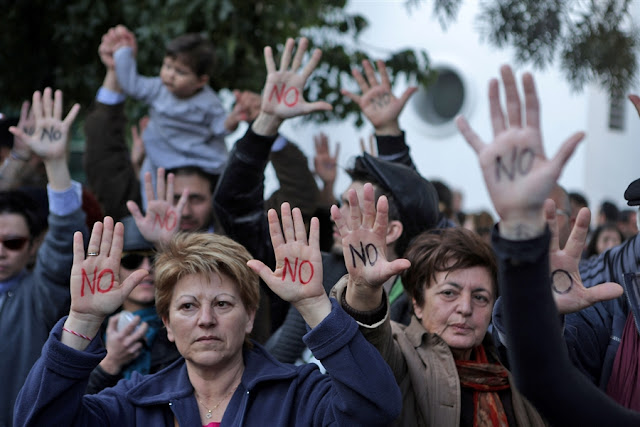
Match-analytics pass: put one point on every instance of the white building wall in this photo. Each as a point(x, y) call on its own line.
point(602, 166)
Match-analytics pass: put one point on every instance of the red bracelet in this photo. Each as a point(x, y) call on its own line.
point(78, 334)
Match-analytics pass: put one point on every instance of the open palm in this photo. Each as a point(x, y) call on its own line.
point(363, 235)
point(51, 133)
point(282, 95)
point(518, 175)
point(569, 293)
point(96, 289)
point(162, 218)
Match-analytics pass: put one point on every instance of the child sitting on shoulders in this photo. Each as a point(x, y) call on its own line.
point(187, 122)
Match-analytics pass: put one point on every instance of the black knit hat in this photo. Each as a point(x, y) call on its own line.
point(415, 197)
point(133, 240)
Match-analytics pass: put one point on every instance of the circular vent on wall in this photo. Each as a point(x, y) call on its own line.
point(439, 104)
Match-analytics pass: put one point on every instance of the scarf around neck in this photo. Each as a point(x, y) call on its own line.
point(485, 380)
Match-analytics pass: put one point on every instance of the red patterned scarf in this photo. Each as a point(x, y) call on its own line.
point(485, 379)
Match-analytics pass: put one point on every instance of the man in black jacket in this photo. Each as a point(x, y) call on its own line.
point(239, 202)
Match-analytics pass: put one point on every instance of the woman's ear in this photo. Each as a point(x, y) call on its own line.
point(249, 326)
point(167, 325)
point(417, 309)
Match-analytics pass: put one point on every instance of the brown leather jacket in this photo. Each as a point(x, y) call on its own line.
point(426, 372)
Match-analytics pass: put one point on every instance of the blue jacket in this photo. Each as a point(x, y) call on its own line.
point(358, 390)
point(29, 311)
point(593, 335)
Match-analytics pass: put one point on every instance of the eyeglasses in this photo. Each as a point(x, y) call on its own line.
point(133, 259)
point(15, 243)
point(561, 212)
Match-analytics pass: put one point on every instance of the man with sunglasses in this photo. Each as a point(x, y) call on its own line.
point(32, 301)
point(135, 339)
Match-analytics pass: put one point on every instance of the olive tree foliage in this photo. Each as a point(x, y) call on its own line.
point(54, 43)
point(593, 41)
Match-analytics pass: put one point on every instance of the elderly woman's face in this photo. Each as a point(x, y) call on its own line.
point(207, 320)
point(457, 307)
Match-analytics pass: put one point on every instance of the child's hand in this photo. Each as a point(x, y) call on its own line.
point(125, 38)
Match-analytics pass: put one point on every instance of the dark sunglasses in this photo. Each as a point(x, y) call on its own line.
point(132, 260)
point(15, 243)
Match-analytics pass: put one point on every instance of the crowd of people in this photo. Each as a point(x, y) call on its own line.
point(166, 290)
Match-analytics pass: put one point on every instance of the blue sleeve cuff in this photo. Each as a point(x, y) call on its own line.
point(67, 201)
point(110, 97)
point(279, 143)
point(333, 333)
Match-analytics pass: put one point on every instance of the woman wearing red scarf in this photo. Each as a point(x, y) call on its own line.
point(444, 361)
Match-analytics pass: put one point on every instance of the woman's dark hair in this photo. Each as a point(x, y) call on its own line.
point(20, 203)
point(592, 249)
point(446, 249)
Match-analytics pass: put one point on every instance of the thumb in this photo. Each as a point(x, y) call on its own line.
point(133, 280)
point(604, 292)
point(18, 133)
point(317, 106)
point(135, 212)
point(397, 266)
point(260, 269)
point(407, 94)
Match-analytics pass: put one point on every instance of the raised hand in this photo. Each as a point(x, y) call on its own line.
point(364, 244)
point(377, 102)
point(96, 289)
point(326, 165)
point(298, 274)
point(27, 123)
point(282, 94)
point(162, 219)
point(123, 346)
point(107, 47)
point(124, 37)
point(51, 133)
point(247, 105)
point(518, 175)
point(569, 293)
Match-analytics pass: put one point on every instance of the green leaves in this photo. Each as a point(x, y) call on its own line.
point(592, 40)
point(55, 43)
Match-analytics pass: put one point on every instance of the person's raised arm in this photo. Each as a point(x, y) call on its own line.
point(519, 177)
point(125, 49)
point(298, 274)
point(282, 94)
point(161, 221)
point(19, 163)
point(96, 286)
point(106, 151)
point(363, 234)
point(382, 108)
point(239, 196)
point(377, 102)
point(50, 137)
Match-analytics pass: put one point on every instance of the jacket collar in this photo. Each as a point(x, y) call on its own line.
point(173, 383)
point(416, 333)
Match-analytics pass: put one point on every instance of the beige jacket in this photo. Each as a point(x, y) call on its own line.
point(426, 372)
